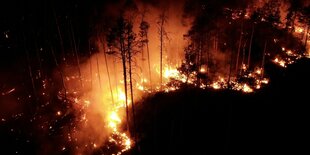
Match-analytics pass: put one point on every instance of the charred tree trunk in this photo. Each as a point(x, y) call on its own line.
point(208, 56)
point(243, 56)
point(231, 63)
point(250, 48)
point(263, 61)
point(239, 49)
point(60, 73)
point(148, 58)
point(76, 55)
point(129, 50)
point(161, 50)
point(60, 38)
point(306, 40)
point(98, 73)
point(107, 68)
point(123, 56)
point(90, 65)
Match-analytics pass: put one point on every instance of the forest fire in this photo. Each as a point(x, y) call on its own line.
point(280, 62)
point(85, 68)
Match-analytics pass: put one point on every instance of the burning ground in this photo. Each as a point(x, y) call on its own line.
point(153, 77)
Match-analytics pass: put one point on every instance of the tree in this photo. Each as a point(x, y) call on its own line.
point(144, 41)
point(305, 18)
point(162, 35)
point(122, 38)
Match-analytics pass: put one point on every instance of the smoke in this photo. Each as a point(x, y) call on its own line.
point(101, 87)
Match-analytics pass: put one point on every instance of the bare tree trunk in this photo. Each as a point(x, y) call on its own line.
point(123, 55)
point(231, 63)
point(239, 49)
point(98, 73)
point(90, 65)
point(216, 42)
point(115, 76)
point(31, 76)
point(263, 61)
point(76, 54)
point(148, 59)
point(306, 40)
point(243, 55)
point(107, 68)
point(131, 90)
point(200, 52)
point(161, 51)
point(39, 59)
point(250, 47)
point(61, 74)
point(208, 56)
point(60, 38)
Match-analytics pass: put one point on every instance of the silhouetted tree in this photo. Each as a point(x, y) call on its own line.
point(144, 41)
point(162, 35)
point(122, 38)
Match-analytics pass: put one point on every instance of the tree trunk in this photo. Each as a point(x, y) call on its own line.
point(77, 55)
point(306, 40)
point(231, 63)
point(90, 66)
point(123, 55)
point(60, 38)
point(108, 72)
point(239, 49)
point(243, 55)
point(130, 84)
point(161, 51)
point(98, 73)
point(148, 59)
point(61, 74)
point(250, 47)
point(263, 61)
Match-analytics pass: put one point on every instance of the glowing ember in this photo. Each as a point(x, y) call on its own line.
point(283, 48)
point(9, 91)
point(216, 85)
point(299, 30)
point(265, 81)
point(247, 89)
point(259, 71)
point(280, 62)
point(202, 70)
point(58, 113)
point(244, 67)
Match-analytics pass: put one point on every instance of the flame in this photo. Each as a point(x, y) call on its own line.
point(58, 113)
point(259, 71)
point(170, 72)
point(114, 121)
point(265, 81)
point(247, 89)
point(216, 85)
point(299, 30)
point(202, 70)
point(118, 137)
point(283, 48)
point(244, 67)
point(280, 62)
